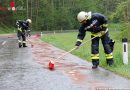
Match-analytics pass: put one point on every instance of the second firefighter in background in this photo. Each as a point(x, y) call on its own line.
point(95, 23)
point(23, 29)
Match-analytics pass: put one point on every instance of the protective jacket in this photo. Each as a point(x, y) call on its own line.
point(23, 28)
point(23, 25)
point(97, 23)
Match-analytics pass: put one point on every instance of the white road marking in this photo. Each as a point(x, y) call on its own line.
point(3, 42)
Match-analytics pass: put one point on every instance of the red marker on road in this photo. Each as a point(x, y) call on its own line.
point(51, 65)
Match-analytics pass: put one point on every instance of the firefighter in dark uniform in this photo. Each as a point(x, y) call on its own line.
point(95, 23)
point(23, 28)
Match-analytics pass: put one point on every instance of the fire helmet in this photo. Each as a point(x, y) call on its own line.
point(83, 16)
point(29, 20)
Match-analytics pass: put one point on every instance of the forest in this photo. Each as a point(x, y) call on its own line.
point(62, 14)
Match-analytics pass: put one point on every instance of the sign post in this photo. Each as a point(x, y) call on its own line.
point(125, 50)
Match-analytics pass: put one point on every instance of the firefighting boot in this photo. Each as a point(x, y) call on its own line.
point(24, 45)
point(20, 45)
point(109, 62)
point(95, 63)
point(111, 43)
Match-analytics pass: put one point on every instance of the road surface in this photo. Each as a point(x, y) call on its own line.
point(27, 69)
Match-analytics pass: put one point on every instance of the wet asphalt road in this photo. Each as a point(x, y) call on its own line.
point(19, 71)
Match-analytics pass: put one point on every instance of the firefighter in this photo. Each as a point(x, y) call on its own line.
point(96, 23)
point(23, 28)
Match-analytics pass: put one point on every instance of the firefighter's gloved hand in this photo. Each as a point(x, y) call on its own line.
point(28, 33)
point(78, 43)
point(101, 33)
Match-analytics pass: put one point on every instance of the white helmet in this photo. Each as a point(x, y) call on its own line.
point(29, 20)
point(83, 16)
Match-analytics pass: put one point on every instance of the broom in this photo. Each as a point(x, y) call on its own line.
point(51, 62)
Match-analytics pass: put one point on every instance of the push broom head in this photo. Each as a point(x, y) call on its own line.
point(31, 46)
point(51, 64)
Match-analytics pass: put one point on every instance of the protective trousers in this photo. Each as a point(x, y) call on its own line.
point(95, 49)
point(21, 39)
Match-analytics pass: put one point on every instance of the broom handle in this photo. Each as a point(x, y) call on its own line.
point(67, 52)
point(88, 40)
point(80, 45)
point(94, 37)
point(74, 48)
point(28, 40)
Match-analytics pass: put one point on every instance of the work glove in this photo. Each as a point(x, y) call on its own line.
point(28, 33)
point(77, 45)
point(101, 33)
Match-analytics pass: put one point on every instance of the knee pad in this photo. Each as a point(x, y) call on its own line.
point(95, 49)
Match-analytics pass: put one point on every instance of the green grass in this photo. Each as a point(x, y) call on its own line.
point(67, 41)
point(5, 29)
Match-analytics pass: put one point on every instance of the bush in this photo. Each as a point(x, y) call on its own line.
point(125, 31)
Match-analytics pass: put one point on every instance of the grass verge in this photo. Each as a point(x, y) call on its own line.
point(66, 41)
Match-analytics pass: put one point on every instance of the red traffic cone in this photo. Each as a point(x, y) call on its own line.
point(51, 64)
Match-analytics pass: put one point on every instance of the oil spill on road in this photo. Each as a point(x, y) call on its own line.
point(43, 52)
